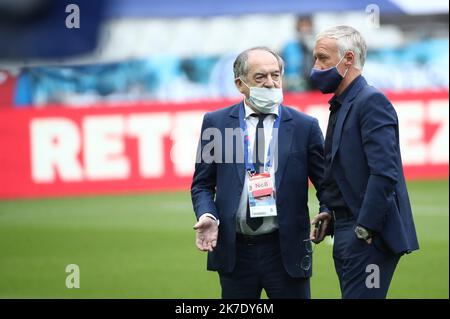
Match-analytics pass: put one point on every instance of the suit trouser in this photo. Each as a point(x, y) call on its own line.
point(259, 266)
point(364, 270)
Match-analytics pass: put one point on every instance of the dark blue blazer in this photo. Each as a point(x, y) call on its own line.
point(217, 186)
point(367, 166)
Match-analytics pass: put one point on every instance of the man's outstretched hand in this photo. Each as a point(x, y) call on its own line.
point(206, 233)
point(325, 218)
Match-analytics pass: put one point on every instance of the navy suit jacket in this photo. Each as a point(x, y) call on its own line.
point(217, 186)
point(367, 166)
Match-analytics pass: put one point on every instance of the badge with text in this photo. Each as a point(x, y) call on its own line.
point(261, 195)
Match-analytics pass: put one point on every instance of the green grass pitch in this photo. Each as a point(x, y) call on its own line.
point(142, 246)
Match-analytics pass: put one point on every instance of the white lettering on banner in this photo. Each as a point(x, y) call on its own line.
point(321, 113)
point(185, 135)
point(411, 116)
point(438, 114)
point(150, 130)
point(424, 132)
point(55, 144)
point(104, 147)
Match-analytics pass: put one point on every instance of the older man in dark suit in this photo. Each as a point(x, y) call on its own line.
point(364, 186)
point(250, 192)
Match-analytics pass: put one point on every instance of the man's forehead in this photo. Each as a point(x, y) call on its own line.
point(262, 60)
point(326, 45)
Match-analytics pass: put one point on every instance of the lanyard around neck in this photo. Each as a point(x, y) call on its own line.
point(247, 152)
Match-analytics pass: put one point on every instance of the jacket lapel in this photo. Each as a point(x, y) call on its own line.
point(345, 108)
point(233, 123)
point(283, 144)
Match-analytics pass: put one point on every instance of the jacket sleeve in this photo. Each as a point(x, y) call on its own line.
point(316, 162)
point(378, 124)
point(203, 186)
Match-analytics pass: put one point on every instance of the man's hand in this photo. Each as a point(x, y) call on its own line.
point(206, 233)
point(326, 219)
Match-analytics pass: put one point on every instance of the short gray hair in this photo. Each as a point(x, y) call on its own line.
point(348, 39)
point(240, 66)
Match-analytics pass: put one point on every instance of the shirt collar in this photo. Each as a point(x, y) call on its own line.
point(337, 101)
point(249, 111)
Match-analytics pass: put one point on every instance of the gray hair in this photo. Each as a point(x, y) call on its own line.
point(240, 66)
point(348, 39)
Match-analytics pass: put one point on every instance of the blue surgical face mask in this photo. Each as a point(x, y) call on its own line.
point(327, 81)
point(265, 100)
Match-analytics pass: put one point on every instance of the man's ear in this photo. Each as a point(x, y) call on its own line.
point(349, 59)
point(240, 86)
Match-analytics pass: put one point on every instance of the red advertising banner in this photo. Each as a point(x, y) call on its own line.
point(59, 151)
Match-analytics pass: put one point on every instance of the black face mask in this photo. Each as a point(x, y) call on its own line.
point(327, 81)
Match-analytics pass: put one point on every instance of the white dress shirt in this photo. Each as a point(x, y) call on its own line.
point(269, 223)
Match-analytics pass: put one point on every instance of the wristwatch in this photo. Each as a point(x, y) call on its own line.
point(362, 233)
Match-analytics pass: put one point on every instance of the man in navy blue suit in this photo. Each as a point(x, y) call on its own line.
point(250, 186)
point(364, 185)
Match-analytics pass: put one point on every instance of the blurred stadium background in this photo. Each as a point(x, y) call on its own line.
point(99, 126)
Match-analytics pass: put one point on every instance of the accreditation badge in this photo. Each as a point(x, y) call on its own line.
point(261, 195)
